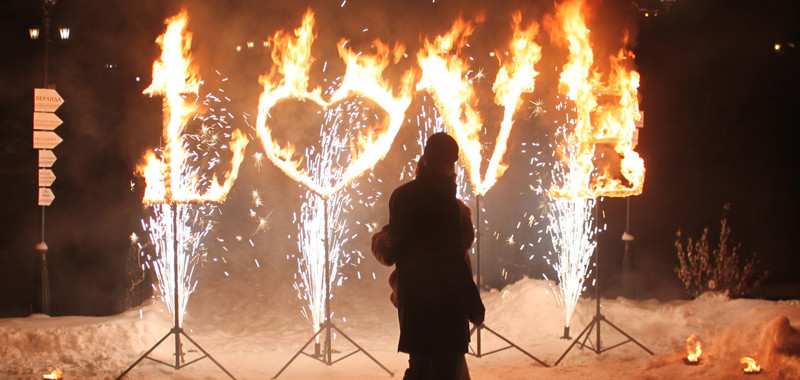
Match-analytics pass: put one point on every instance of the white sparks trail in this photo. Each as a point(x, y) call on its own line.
point(326, 164)
point(571, 224)
point(193, 223)
point(572, 232)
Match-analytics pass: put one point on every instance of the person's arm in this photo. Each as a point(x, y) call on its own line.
point(381, 246)
point(467, 231)
point(473, 305)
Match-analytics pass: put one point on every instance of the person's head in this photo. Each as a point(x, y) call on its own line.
point(440, 154)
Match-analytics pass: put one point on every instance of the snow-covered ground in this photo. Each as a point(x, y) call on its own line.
point(251, 324)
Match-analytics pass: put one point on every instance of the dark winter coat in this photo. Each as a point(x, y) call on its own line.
point(436, 296)
point(382, 243)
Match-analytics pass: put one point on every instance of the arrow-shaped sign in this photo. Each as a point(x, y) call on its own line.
point(46, 177)
point(46, 158)
point(45, 139)
point(46, 196)
point(46, 121)
point(46, 100)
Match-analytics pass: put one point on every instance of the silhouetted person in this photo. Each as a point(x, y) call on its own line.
point(428, 235)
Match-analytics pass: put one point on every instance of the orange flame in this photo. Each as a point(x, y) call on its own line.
point(693, 348)
point(444, 77)
point(288, 79)
point(56, 374)
point(597, 122)
point(176, 78)
point(752, 367)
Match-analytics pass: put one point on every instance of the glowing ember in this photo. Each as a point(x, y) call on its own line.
point(693, 349)
point(607, 111)
point(444, 76)
point(752, 367)
point(175, 77)
point(288, 79)
point(55, 375)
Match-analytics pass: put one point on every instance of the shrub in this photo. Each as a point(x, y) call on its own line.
point(719, 270)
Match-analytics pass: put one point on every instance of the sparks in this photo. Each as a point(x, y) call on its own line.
point(326, 166)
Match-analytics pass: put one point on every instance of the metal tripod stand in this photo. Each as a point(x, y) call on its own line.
point(324, 354)
point(176, 330)
point(476, 330)
point(582, 339)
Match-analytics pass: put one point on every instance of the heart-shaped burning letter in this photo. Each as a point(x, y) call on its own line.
point(288, 79)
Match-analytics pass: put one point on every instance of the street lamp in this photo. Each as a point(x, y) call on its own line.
point(34, 32)
point(63, 33)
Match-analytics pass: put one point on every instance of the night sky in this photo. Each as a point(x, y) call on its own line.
point(720, 103)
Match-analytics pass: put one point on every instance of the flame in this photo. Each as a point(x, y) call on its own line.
point(598, 120)
point(444, 76)
point(752, 367)
point(176, 78)
point(693, 348)
point(288, 79)
point(56, 374)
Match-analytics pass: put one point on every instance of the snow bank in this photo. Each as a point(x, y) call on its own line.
point(251, 324)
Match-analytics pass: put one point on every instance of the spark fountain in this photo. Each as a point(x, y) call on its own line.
point(289, 79)
point(572, 232)
point(316, 210)
point(601, 126)
point(445, 77)
point(181, 196)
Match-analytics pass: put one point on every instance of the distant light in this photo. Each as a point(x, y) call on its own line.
point(266, 43)
point(250, 44)
point(138, 79)
point(238, 47)
point(646, 14)
point(109, 65)
point(64, 33)
point(491, 54)
point(777, 47)
point(34, 32)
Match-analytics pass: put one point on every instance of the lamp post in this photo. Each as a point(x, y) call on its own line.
point(41, 302)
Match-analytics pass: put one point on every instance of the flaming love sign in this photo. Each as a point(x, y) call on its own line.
point(175, 77)
point(288, 79)
point(606, 107)
point(444, 77)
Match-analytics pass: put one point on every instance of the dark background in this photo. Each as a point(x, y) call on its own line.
point(720, 106)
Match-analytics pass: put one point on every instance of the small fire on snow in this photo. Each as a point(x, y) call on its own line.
point(693, 350)
point(752, 367)
point(55, 375)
